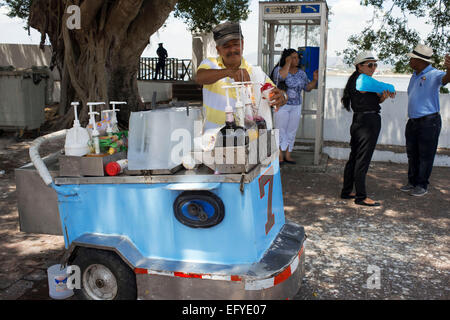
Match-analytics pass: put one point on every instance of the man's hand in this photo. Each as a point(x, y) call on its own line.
point(278, 98)
point(239, 75)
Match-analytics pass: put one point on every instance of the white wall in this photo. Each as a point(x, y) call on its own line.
point(163, 90)
point(337, 120)
point(146, 88)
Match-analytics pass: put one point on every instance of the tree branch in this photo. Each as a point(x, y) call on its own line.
point(148, 22)
point(121, 15)
point(89, 10)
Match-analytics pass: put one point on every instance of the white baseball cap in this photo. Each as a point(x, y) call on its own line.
point(422, 52)
point(364, 56)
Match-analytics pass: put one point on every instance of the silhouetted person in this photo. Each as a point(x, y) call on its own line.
point(161, 65)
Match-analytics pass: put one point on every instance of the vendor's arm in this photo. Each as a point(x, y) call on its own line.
point(210, 76)
point(446, 78)
point(313, 83)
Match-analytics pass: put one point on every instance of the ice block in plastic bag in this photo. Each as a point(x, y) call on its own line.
point(155, 141)
point(369, 84)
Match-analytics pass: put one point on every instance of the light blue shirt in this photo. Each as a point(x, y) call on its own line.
point(423, 92)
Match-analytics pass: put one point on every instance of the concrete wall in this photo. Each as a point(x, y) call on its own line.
point(203, 46)
point(394, 116)
point(337, 123)
point(163, 90)
point(146, 88)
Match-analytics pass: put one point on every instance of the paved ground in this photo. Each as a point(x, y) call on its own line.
point(398, 251)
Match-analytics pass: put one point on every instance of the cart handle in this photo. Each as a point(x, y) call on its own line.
point(36, 159)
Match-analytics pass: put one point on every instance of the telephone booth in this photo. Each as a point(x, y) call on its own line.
point(302, 25)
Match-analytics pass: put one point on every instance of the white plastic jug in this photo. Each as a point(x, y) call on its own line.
point(77, 138)
point(57, 283)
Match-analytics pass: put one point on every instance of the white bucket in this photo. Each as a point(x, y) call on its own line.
point(57, 282)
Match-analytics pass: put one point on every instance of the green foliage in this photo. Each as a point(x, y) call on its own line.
point(203, 15)
point(199, 15)
point(17, 8)
point(394, 38)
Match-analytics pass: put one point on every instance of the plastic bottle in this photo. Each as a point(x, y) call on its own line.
point(240, 112)
point(114, 125)
point(95, 133)
point(77, 138)
point(109, 130)
point(114, 168)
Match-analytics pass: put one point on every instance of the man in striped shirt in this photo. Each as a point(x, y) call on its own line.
point(230, 66)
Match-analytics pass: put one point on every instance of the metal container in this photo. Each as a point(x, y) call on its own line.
point(37, 202)
point(22, 98)
point(239, 159)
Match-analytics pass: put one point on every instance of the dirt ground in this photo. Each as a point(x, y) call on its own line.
point(397, 251)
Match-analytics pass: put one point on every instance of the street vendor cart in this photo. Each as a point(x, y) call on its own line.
point(184, 234)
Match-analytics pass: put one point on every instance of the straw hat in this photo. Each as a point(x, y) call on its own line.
point(364, 56)
point(422, 52)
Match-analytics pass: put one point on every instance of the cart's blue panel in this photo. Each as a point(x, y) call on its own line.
point(144, 213)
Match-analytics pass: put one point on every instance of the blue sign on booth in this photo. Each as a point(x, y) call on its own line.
point(314, 8)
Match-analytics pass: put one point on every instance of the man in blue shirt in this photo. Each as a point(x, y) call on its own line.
point(424, 124)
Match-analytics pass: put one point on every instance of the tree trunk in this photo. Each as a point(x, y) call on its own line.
point(100, 60)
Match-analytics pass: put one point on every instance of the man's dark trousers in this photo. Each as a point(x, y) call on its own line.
point(364, 132)
point(422, 136)
point(160, 65)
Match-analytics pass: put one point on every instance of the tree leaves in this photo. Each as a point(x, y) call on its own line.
point(394, 37)
point(202, 16)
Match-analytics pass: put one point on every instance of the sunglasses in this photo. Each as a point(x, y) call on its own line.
point(370, 64)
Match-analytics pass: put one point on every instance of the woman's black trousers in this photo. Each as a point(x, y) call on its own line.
point(364, 133)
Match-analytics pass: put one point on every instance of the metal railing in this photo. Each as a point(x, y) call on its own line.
point(175, 69)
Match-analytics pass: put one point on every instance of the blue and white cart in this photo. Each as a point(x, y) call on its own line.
point(188, 235)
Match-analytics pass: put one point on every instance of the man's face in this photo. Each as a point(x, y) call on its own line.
point(417, 64)
point(231, 52)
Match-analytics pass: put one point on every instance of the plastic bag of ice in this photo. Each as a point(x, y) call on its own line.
point(369, 84)
point(158, 139)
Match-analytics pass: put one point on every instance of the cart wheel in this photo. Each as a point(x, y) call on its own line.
point(104, 276)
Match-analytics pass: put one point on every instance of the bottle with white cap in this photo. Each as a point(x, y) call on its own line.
point(114, 115)
point(77, 138)
point(109, 130)
point(95, 133)
point(239, 106)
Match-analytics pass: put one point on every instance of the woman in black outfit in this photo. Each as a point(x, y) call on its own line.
point(364, 130)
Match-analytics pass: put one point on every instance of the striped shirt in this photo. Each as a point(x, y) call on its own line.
point(214, 96)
